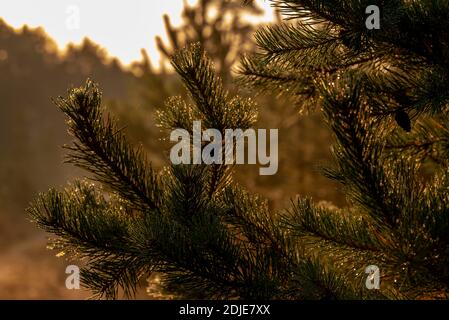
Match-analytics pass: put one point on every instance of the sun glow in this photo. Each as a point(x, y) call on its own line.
point(122, 27)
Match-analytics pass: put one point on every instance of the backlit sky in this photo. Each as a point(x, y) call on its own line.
point(123, 27)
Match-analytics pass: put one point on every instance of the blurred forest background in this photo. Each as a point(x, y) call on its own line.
point(32, 130)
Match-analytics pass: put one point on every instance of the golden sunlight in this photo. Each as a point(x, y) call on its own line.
point(122, 27)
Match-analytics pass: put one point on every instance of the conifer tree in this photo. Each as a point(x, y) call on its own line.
point(220, 27)
point(383, 93)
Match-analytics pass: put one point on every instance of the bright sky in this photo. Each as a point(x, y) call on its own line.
point(123, 27)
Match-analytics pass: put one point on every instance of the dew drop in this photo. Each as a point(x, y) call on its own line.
point(60, 254)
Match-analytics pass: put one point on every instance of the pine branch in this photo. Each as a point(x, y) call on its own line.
point(102, 149)
point(349, 230)
point(90, 228)
point(429, 140)
point(212, 102)
point(299, 45)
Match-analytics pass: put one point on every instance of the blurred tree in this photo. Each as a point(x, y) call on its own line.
point(220, 26)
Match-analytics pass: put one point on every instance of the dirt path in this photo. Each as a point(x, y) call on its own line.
point(29, 271)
